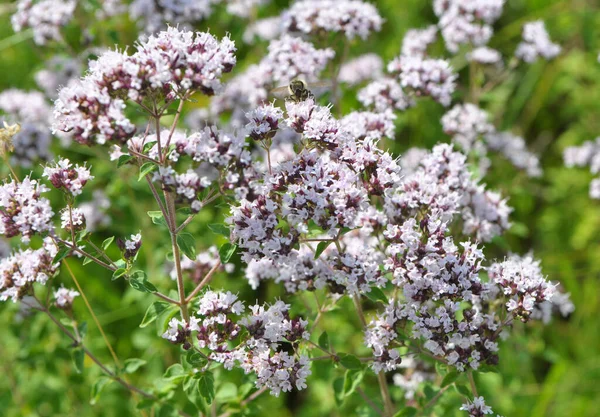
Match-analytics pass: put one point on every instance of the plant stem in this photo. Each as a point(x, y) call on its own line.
point(84, 253)
point(104, 369)
point(89, 307)
point(176, 257)
point(368, 401)
point(472, 382)
point(203, 283)
point(173, 126)
point(251, 398)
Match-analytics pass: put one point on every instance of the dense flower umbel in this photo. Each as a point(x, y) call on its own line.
point(443, 186)
point(288, 58)
point(385, 94)
point(470, 130)
point(20, 270)
point(363, 68)
point(521, 280)
point(255, 342)
point(44, 17)
point(467, 21)
point(166, 65)
point(68, 177)
point(416, 41)
point(22, 209)
point(264, 122)
point(351, 17)
point(425, 77)
point(536, 43)
point(72, 220)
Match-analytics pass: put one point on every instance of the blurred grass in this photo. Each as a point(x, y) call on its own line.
point(549, 371)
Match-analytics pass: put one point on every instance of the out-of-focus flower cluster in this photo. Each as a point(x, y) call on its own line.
point(469, 127)
point(22, 268)
point(587, 154)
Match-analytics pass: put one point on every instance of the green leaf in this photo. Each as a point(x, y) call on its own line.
point(227, 393)
point(463, 390)
point(97, 388)
point(157, 218)
point(175, 373)
point(324, 341)
point(377, 295)
point(82, 329)
point(429, 392)
point(78, 357)
point(321, 247)
point(449, 378)
point(187, 244)
point(132, 365)
point(338, 391)
point(195, 359)
point(118, 273)
point(145, 169)
point(62, 254)
point(153, 312)
point(167, 410)
point(226, 252)
point(107, 242)
point(162, 321)
point(349, 361)
point(146, 403)
point(120, 263)
point(87, 260)
point(139, 281)
point(123, 159)
point(406, 412)
point(351, 381)
point(206, 386)
point(220, 229)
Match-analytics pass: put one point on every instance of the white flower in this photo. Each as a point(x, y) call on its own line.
point(64, 297)
point(536, 43)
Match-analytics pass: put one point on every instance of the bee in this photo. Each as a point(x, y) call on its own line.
point(299, 90)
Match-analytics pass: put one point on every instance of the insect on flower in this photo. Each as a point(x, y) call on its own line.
point(299, 90)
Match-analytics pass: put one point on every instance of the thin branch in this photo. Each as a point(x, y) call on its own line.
point(104, 369)
point(251, 398)
point(84, 253)
point(166, 298)
point(102, 252)
point(368, 401)
point(89, 307)
point(159, 201)
point(141, 155)
point(472, 382)
point(173, 126)
point(177, 258)
point(203, 283)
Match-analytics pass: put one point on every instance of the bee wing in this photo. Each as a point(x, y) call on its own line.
point(279, 91)
point(320, 85)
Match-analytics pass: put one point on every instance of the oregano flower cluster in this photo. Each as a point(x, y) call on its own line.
point(327, 202)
